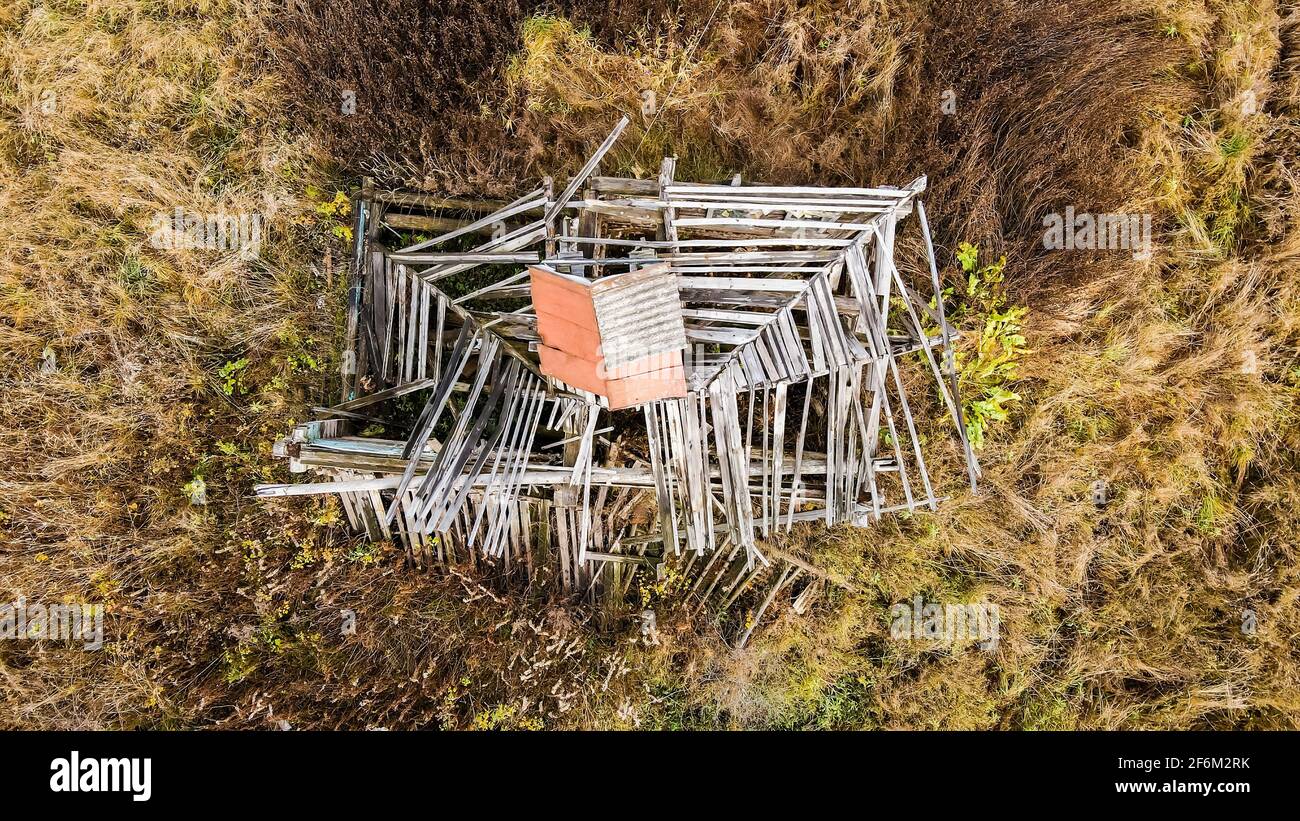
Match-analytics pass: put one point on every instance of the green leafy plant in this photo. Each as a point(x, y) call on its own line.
point(231, 375)
point(968, 256)
point(332, 212)
point(983, 284)
point(227, 448)
point(298, 351)
point(998, 351)
point(367, 553)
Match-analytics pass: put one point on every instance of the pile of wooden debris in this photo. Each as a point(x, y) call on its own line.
point(630, 378)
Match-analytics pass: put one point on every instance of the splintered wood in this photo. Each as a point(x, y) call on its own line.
point(629, 377)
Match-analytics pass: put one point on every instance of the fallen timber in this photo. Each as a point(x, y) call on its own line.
point(629, 374)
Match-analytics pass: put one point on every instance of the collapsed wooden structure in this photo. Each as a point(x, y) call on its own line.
point(629, 372)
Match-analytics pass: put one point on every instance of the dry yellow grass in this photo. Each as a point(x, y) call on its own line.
point(113, 111)
point(1175, 379)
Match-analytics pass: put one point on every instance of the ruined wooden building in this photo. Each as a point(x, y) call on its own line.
point(621, 374)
